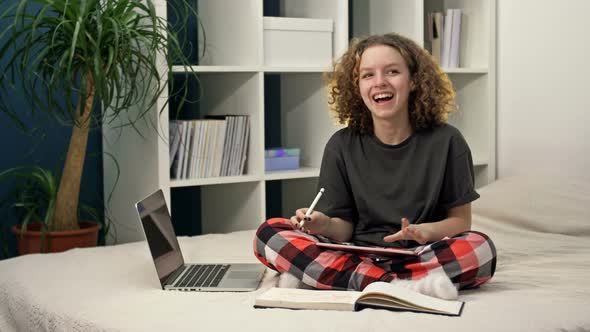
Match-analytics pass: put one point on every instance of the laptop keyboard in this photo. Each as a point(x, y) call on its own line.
point(203, 275)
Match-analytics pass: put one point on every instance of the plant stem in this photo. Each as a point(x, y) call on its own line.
point(68, 194)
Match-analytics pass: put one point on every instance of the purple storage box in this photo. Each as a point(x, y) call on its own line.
point(281, 159)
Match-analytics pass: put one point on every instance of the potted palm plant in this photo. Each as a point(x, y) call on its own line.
point(86, 62)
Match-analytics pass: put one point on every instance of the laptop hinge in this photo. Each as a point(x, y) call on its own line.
point(169, 279)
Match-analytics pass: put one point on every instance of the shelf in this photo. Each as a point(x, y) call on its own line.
point(252, 69)
point(218, 69)
point(303, 172)
point(214, 180)
point(480, 162)
point(466, 70)
point(293, 69)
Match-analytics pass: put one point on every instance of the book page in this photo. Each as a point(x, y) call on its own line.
point(405, 297)
point(307, 299)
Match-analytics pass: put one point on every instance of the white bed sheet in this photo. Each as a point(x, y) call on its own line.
point(540, 225)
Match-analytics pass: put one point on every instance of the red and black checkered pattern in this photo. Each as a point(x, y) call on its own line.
point(469, 259)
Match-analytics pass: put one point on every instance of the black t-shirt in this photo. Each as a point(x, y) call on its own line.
point(374, 185)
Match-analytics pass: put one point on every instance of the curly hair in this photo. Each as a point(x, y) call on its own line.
point(429, 104)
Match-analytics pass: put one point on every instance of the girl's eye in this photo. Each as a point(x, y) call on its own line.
point(393, 71)
point(365, 75)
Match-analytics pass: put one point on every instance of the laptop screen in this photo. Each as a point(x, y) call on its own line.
point(159, 234)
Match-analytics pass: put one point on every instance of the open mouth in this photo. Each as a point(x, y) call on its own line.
point(382, 97)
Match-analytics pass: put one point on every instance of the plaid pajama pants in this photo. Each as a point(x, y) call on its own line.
point(468, 259)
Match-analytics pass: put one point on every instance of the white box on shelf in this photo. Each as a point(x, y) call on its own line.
point(297, 41)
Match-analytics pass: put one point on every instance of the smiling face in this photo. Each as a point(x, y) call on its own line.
point(385, 83)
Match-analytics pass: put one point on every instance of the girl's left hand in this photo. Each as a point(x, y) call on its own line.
point(409, 232)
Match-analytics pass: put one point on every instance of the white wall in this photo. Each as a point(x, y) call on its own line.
point(543, 86)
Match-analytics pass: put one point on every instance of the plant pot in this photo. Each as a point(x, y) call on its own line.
point(29, 241)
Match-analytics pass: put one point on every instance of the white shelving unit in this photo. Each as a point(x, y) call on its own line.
point(232, 75)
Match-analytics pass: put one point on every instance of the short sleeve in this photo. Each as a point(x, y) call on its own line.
point(458, 184)
point(337, 200)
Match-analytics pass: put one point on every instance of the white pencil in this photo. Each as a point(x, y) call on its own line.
point(312, 206)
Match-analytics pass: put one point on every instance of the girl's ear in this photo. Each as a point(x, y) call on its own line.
point(412, 86)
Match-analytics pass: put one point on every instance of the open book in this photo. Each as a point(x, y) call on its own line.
point(380, 295)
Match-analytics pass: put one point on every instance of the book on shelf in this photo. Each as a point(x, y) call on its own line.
point(455, 39)
point(210, 147)
point(217, 153)
point(244, 147)
point(174, 137)
point(235, 146)
point(435, 30)
point(227, 142)
point(222, 148)
point(446, 41)
point(194, 149)
point(446, 48)
point(377, 295)
point(183, 150)
point(189, 146)
point(241, 145)
point(202, 151)
point(235, 143)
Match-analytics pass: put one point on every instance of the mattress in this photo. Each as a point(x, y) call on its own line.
point(540, 225)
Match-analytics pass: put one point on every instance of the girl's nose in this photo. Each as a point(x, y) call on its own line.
point(379, 79)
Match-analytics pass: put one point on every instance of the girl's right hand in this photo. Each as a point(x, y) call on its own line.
point(317, 222)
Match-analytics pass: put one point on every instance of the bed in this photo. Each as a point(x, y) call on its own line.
point(540, 225)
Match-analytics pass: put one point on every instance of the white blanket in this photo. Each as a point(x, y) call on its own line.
point(540, 225)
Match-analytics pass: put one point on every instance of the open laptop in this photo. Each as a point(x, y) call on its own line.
point(173, 273)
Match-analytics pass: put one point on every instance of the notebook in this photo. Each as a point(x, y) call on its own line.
point(172, 271)
point(366, 250)
point(376, 251)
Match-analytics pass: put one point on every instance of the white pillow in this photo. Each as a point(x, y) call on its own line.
point(538, 202)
